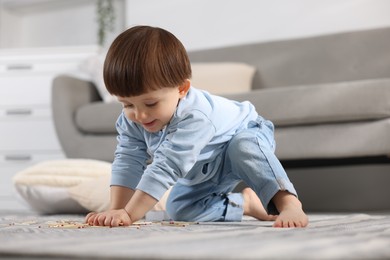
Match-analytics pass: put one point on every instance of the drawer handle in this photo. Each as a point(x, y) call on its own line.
point(22, 157)
point(20, 67)
point(19, 112)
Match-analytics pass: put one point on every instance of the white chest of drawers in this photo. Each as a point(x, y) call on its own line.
point(27, 134)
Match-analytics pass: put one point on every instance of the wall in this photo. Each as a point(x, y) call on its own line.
point(199, 24)
point(47, 23)
point(203, 24)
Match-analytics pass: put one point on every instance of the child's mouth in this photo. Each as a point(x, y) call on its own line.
point(149, 124)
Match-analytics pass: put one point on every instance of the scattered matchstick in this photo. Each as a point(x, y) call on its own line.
point(69, 224)
point(178, 223)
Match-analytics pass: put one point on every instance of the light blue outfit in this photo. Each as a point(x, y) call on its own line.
point(209, 146)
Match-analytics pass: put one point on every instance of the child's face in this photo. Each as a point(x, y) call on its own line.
point(153, 110)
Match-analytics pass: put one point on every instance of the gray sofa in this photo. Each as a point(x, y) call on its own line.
point(328, 96)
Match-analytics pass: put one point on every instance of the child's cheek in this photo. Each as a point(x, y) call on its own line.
point(129, 115)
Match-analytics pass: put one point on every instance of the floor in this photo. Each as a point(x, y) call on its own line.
point(328, 236)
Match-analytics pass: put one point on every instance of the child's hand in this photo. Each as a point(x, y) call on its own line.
point(112, 218)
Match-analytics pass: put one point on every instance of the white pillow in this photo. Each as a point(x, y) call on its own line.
point(215, 77)
point(94, 195)
point(44, 186)
point(223, 77)
point(93, 66)
point(69, 186)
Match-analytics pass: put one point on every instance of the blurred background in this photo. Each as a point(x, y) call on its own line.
point(200, 24)
point(41, 39)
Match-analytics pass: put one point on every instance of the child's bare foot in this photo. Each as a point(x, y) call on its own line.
point(253, 206)
point(291, 213)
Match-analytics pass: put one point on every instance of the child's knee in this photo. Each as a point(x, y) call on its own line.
point(248, 142)
point(176, 210)
point(241, 143)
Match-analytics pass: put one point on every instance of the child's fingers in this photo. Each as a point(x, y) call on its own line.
point(126, 222)
point(115, 222)
point(99, 220)
point(90, 217)
point(108, 221)
point(120, 221)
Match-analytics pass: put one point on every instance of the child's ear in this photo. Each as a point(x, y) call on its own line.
point(184, 88)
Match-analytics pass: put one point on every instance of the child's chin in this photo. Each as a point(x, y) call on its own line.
point(153, 130)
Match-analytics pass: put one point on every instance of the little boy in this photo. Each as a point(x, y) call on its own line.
point(172, 134)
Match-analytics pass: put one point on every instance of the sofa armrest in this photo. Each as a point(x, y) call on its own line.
point(69, 94)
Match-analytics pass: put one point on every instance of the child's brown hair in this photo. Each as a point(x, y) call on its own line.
point(145, 58)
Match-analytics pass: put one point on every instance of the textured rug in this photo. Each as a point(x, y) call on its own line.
point(331, 236)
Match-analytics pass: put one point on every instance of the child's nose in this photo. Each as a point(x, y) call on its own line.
point(140, 115)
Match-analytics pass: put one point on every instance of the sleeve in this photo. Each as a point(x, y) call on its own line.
point(177, 154)
point(130, 155)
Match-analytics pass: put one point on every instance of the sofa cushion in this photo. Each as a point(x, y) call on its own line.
point(98, 117)
point(284, 106)
point(215, 77)
point(337, 140)
point(334, 57)
point(222, 77)
point(219, 77)
point(325, 103)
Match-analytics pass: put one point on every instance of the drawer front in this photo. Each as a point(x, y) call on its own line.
point(52, 59)
point(25, 112)
point(25, 90)
point(13, 162)
point(14, 67)
point(9, 198)
point(28, 135)
point(11, 166)
point(7, 172)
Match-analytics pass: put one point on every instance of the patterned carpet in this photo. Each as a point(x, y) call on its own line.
point(332, 236)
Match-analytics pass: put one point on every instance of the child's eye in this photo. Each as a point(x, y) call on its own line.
point(151, 104)
point(127, 106)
